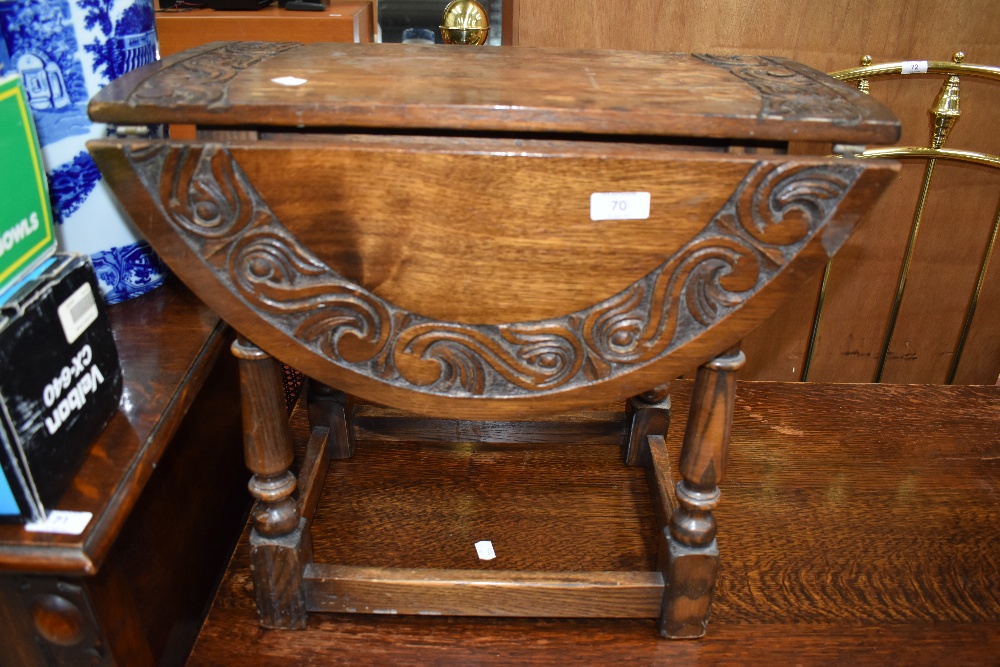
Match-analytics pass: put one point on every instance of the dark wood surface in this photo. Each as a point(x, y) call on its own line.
point(167, 487)
point(860, 525)
point(495, 90)
point(482, 311)
point(162, 339)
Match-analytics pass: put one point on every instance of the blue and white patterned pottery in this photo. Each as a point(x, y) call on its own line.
point(67, 50)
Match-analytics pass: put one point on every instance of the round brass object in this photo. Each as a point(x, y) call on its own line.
point(465, 22)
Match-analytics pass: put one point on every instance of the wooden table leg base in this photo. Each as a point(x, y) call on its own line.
point(278, 565)
point(689, 576)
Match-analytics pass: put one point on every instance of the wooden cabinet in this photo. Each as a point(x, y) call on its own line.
point(341, 22)
point(166, 487)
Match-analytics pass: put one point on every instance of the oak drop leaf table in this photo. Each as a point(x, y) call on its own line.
point(490, 234)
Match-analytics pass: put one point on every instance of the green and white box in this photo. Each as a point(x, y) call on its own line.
point(26, 235)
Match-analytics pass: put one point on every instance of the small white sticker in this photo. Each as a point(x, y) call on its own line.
point(289, 81)
point(619, 206)
point(78, 312)
point(485, 550)
point(63, 522)
point(914, 67)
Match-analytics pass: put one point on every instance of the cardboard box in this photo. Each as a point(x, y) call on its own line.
point(26, 235)
point(60, 384)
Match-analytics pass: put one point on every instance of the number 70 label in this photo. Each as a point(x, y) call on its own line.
point(619, 206)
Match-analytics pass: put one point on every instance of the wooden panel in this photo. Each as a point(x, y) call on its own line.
point(341, 22)
point(778, 346)
point(830, 37)
point(978, 364)
point(431, 592)
point(515, 335)
point(379, 424)
point(833, 551)
point(953, 233)
point(166, 561)
point(420, 227)
point(660, 479)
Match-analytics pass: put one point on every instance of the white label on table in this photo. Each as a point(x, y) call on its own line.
point(63, 522)
point(77, 312)
point(914, 67)
point(289, 81)
point(485, 550)
point(619, 206)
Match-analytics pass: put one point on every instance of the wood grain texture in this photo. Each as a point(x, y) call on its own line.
point(689, 576)
point(278, 565)
point(783, 219)
point(425, 235)
point(436, 592)
point(266, 442)
point(598, 426)
point(660, 480)
point(183, 528)
point(877, 561)
point(495, 90)
point(312, 472)
point(963, 199)
point(342, 22)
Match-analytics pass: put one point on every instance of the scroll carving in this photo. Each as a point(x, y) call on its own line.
point(787, 91)
point(773, 213)
point(204, 79)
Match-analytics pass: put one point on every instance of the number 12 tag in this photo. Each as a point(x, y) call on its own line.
point(619, 206)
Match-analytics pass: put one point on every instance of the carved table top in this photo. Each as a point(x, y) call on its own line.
point(448, 258)
point(497, 89)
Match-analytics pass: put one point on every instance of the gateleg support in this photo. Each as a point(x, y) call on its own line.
point(331, 408)
point(645, 415)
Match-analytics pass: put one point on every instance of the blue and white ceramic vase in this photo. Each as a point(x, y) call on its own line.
point(65, 51)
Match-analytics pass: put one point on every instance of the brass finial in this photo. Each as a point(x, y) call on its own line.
point(863, 84)
point(465, 22)
point(946, 109)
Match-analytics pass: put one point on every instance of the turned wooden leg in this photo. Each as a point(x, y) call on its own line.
point(280, 546)
point(645, 415)
point(690, 562)
point(331, 408)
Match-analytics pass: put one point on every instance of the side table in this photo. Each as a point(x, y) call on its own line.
point(167, 492)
